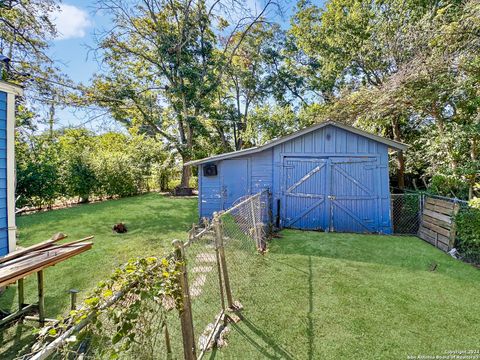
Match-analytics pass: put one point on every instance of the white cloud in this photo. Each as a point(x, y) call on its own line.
point(71, 21)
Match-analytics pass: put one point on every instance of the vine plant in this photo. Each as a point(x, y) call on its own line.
point(118, 309)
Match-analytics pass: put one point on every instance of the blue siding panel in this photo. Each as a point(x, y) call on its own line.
point(3, 175)
point(354, 170)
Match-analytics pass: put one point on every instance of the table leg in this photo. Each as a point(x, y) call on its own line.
point(21, 294)
point(41, 299)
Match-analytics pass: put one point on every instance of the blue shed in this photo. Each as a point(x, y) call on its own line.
point(330, 177)
point(7, 166)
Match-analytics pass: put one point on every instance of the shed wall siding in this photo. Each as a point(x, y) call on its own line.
point(331, 141)
point(3, 175)
point(266, 168)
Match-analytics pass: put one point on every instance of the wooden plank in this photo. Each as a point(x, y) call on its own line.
point(436, 228)
point(437, 222)
point(438, 216)
point(431, 233)
point(17, 314)
point(442, 246)
point(41, 258)
point(425, 236)
point(443, 239)
point(35, 253)
point(44, 244)
point(439, 209)
point(439, 202)
point(43, 261)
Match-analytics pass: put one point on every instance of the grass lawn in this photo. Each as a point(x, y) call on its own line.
point(349, 296)
point(313, 296)
point(153, 221)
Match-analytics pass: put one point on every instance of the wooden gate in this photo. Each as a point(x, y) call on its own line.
point(438, 226)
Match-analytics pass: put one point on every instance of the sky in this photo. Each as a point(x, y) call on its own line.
point(77, 23)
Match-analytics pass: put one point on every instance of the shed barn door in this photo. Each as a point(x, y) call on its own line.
point(304, 193)
point(331, 194)
point(353, 196)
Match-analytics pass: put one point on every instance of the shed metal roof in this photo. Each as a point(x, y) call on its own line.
point(390, 143)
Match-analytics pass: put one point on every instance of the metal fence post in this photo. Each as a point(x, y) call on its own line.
point(221, 251)
point(73, 299)
point(186, 317)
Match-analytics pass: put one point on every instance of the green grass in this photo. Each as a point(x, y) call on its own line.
point(313, 296)
point(153, 221)
point(349, 296)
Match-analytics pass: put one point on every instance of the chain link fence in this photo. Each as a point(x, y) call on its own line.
point(178, 305)
point(406, 211)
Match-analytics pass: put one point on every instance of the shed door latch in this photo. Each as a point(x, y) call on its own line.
point(331, 197)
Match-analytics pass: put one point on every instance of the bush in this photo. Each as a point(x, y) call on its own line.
point(448, 185)
point(468, 233)
point(79, 164)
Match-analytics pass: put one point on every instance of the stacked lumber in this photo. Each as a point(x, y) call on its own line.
point(438, 226)
point(21, 263)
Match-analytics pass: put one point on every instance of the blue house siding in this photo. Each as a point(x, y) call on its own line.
point(328, 179)
point(3, 175)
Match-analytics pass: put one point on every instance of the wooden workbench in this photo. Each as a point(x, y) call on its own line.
point(18, 266)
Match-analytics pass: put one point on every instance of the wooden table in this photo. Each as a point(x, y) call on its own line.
point(16, 269)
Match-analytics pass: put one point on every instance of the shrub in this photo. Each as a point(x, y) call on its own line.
point(448, 185)
point(468, 233)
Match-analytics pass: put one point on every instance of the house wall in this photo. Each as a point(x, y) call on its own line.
point(265, 169)
point(3, 175)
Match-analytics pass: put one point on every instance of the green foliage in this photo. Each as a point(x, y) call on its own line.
point(77, 164)
point(116, 309)
point(468, 233)
point(38, 173)
point(448, 185)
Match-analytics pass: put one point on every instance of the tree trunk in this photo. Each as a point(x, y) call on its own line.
point(186, 174)
point(400, 157)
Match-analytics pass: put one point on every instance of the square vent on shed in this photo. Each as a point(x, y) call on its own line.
point(210, 170)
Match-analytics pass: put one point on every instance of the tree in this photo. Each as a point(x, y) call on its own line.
point(26, 29)
point(362, 43)
point(165, 66)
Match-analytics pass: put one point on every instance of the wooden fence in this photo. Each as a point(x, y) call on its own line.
point(438, 222)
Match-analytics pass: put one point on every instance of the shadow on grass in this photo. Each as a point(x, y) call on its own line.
point(310, 329)
point(259, 339)
point(14, 340)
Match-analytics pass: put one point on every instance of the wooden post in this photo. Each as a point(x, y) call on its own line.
point(186, 317)
point(221, 252)
point(255, 230)
point(167, 340)
point(218, 259)
point(453, 227)
point(21, 294)
point(41, 299)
